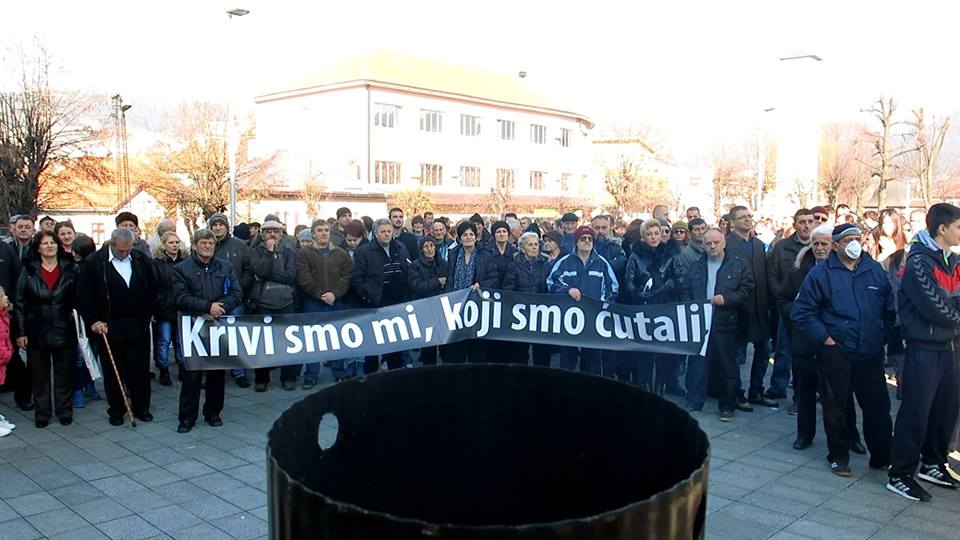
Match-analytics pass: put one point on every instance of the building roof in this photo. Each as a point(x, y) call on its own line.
point(411, 73)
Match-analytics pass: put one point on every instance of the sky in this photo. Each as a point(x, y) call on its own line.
point(698, 72)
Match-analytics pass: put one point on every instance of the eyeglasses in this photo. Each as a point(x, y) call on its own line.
point(679, 231)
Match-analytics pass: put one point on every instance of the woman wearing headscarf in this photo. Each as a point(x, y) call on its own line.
point(427, 277)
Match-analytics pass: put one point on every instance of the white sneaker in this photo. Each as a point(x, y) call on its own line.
point(6, 423)
point(4, 431)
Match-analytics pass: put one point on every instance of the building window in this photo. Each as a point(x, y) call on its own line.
point(386, 172)
point(565, 181)
point(505, 178)
point(469, 125)
point(536, 180)
point(538, 134)
point(564, 137)
point(98, 232)
point(506, 130)
point(386, 115)
point(431, 121)
point(470, 176)
point(431, 174)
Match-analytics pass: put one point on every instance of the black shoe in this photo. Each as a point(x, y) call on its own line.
point(145, 417)
point(243, 382)
point(40, 424)
point(165, 379)
point(26, 406)
point(937, 474)
point(744, 406)
point(214, 421)
point(726, 416)
point(185, 427)
point(764, 402)
point(840, 469)
point(116, 420)
point(801, 443)
point(907, 487)
point(775, 394)
point(857, 448)
point(66, 421)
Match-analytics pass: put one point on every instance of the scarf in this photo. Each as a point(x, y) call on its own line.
point(463, 272)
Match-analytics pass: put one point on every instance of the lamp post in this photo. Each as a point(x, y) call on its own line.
point(232, 139)
point(800, 125)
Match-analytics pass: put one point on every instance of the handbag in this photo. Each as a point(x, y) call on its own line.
point(89, 358)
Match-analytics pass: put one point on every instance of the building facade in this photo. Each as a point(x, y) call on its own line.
point(388, 124)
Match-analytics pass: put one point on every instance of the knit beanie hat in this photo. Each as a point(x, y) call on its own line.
point(499, 225)
point(582, 230)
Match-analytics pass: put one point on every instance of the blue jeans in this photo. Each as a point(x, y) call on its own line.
point(780, 377)
point(696, 381)
point(167, 333)
point(343, 368)
point(239, 310)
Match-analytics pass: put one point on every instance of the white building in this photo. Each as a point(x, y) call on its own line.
point(386, 123)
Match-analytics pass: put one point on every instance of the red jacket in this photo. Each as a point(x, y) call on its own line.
point(6, 347)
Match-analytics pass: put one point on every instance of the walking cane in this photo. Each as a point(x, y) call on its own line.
point(116, 373)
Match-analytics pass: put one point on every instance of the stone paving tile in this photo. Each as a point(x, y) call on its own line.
point(204, 531)
point(7, 513)
point(245, 497)
point(170, 518)
point(217, 482)
point(56, 521)
point(128, 528)
point(210, 508)
point(35, 503)
point(242, 526)
point(18, 529)
point(101, 510)
point(87, 532)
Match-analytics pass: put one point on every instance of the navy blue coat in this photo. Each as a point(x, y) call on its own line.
point(854, 307)
point(530, 278)
point(423, 277)
point(595, 279)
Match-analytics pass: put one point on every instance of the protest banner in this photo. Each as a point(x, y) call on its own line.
point(255, 341)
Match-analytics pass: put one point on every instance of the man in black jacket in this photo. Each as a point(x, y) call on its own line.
point(780, 260)
point(930, 313)
point(756, 310)
point(379, 277)
point(119, 292)
point(237, 253)
point(274, 292)
point(408, 240)
point(207, 286)
point(727, 283)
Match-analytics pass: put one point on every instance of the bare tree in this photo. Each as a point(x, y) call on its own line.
point(842, 173)
point(621, 183)
point(43, 134)
point(929, 143)
point(886, 151)
point(414, 201)
point(732, 179)
point(195, 152)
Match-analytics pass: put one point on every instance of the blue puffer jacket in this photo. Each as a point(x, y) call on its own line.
point(594, 279)
point(854, 307)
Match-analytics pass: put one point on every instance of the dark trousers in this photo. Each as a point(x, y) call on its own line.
point(806, 387)
point(287, 373)
point(758, 369)
point(591, 361)
point(190, 395)
point(40, 360)
point(928, 412)
point(865, 377)
point(461, 352)
point(428, 356)
point(541, 354)
point(371, 364)
point(18, 379)
point(130, 344)
point(722, 360)
point(628, 366)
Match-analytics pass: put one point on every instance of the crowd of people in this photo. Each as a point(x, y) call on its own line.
point(833, 297)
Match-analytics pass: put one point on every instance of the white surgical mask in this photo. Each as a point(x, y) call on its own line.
point(853, 250)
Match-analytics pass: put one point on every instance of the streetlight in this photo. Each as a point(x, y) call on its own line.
point(813, 57)
point(232, 138)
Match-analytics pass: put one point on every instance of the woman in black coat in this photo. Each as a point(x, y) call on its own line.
point(427, 277)
point(44, 300)
point(166, 330)
point(468, 266)
point(527, 273)
point(655, 274)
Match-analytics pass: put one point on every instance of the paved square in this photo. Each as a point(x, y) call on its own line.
point(92, 480)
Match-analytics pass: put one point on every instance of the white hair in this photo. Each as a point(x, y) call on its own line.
point(526, 237)
point(822, 230)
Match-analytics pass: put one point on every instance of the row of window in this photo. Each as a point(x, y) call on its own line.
point(431, 174)
point(388, 116)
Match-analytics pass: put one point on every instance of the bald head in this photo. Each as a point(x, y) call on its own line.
point(714, 243)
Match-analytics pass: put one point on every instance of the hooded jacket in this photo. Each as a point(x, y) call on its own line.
point(928, 299)
point(655, 275)
point(595, 279)
point(691, 252)
point(854, 307)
